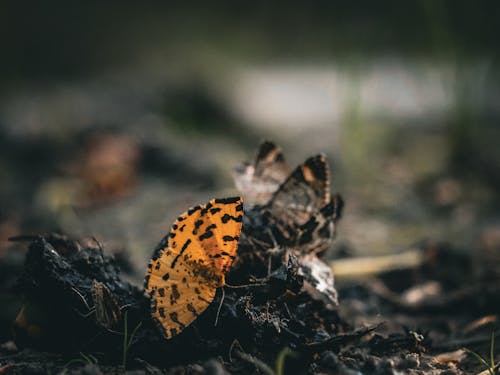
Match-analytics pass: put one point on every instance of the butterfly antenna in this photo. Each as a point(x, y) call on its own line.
point(81, 297)
point(220, 307)
point(97, 242)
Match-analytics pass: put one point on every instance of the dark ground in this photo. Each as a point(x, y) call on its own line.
point(399, 321)
point(114, 121)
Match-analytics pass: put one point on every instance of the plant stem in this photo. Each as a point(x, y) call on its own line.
point(125, 340)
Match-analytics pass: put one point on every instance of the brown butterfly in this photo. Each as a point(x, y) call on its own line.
point(291, 211)
point(107, 311)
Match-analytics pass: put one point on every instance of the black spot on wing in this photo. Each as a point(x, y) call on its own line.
point(175, 319)
point(193, 210)
point(197, 225)
point(223, 253)
point(265, 149)
point(228, 217)
point(206, 235)
point(191, 309)
point(338, 203)
point(161, 311)
point(174, 296)
point(318, 167)
point(214, 210)
point(184, 247)
point(160, 247)
point(311, 225)
point(230, 238)
point(327, 230)
point(306, 237)
point(203, 299)
point(208, 232)
point(228, 200)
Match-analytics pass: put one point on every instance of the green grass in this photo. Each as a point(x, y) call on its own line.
point(127, 341)
point(491, 366)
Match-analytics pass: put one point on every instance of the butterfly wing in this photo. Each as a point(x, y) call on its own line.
point(316, 235)
point(189, 263)
point(107, 311)
point(304, 192)
point(258, 181)
point(225, 216)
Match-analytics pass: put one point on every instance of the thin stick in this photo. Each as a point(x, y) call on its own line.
point(492, 350)
point(244, 285)
point(82, 297)
point(220, 307)
point(132, 336)
point(125, 340)
point(365, 266)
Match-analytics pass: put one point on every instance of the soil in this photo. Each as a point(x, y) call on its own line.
point(272, 327)
point(73, 305)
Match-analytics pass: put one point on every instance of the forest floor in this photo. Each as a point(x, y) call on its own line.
point(415, 259)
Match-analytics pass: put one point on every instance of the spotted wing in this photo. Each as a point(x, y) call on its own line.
point(260, 179)
point(225, 217)
point(107, 311)
point(316, 235)
point(303, 194)
point(190, 262)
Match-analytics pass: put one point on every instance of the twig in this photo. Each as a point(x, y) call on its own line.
point(369, 266)
point(343, 339)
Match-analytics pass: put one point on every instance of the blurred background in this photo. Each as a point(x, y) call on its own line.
point(116, 118)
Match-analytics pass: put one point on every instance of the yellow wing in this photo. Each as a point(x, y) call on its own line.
point(225, 217)
point(190, 262)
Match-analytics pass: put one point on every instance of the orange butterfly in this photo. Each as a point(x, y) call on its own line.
point(190, 263)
